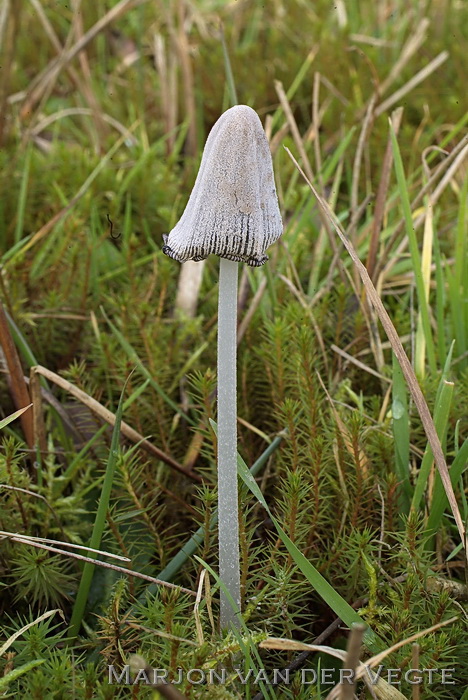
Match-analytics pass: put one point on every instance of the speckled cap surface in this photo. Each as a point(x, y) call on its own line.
point(233, 208)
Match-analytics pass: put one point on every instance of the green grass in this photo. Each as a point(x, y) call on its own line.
point(344, 512)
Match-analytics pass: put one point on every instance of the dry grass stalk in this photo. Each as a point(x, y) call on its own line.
point(378, 658)
point(80, 111)
point(183, 48)
point(450, 165)
point(103, 413)
point(19, 539)
point(6, 645)
point(419, 220)
point(87, 83)
point(382, 689)
point(254, 304)
point(333, 90)
point(359, 364)
point(293, 126)
point(188, 287)
point(276, 140)
point(166, 66)
point(363, 136)
point(381, 199)
point(316, 127)
point(196, 609)
point(191, 274)
point(18, 387)
point(405, 364)
point(71, 545)
point(9, 30)
point(351, 661)
point(50, 72)
point(4, 13)
point(82, 87)
point(413, 44)
point(415, 80)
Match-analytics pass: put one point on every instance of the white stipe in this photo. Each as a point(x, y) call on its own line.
point(228, 516)
point(233, 208)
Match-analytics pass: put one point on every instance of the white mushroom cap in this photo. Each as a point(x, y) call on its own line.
point(233, 208)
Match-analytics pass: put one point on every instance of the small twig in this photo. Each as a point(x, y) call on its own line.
point(352, 660)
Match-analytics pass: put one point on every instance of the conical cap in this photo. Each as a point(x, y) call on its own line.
point(233, 208)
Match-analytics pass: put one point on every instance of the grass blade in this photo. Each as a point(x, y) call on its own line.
point(440, 300)
point(401, 434)
point(339, 606)
point(18, 672)
point(441, 414)
point(99, 522)
point(9, 419)
point(23, 195)
point(426, 259)
point(229, 74)
point(439, 501)
point(415, 256)
point(458, 283)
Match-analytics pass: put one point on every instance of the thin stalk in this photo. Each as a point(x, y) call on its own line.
point(228, 525)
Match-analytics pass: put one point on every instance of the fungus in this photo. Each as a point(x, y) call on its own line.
point(232, 212)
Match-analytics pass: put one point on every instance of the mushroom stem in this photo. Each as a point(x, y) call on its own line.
point(227, 442)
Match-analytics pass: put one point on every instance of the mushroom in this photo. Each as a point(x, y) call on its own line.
point(232, 212)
